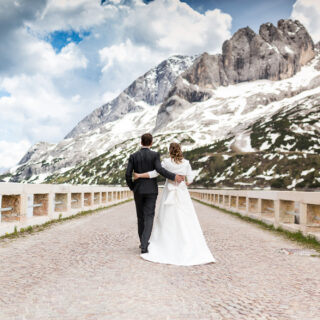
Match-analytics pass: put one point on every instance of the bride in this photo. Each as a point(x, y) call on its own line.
point(176, 237)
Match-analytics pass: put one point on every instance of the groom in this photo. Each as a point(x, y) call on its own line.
point(146, 190)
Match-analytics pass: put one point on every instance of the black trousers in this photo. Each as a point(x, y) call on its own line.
point(145, 206)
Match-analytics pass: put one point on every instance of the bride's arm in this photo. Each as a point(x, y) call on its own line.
point(190, 175)
point(147, 175)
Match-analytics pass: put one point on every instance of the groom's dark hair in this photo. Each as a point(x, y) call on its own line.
point(146, 139)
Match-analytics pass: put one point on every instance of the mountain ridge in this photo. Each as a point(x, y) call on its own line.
point(151, 88)
point(194, 100)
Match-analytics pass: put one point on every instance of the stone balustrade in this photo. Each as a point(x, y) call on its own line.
point(23, 205)
point(291, 210)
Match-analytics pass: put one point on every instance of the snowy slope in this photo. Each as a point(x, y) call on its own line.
point(230, 112)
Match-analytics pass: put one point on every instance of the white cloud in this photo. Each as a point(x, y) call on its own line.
point(25, 53)
point(124, 53)
point(308, 13)
point(69, 58)
point(35, 109)
point(48, 61)
point(50, 92)
point(12, 152)
point(175, 27)
point(151, 33)
point(72, 14)
point(33, 97)
point(123, 63)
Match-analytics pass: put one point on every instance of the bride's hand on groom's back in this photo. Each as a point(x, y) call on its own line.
point(136, 176)
point(179, 178)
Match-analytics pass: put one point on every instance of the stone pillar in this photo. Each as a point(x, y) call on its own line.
point(303, 217)
point(30, 202)
point(23, 207)
point(68, 202)
point(276, 222)
point(259, 213)
point(247, 206)
point(51, 205)
point(82, 201)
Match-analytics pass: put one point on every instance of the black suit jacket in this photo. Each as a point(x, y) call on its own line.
point(142, 161)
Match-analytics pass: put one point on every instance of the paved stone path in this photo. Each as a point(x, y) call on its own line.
point(89, 268)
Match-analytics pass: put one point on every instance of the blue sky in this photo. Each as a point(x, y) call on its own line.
point(61, 59)
point(250, 13)
point(4, 93)
point(61, 38)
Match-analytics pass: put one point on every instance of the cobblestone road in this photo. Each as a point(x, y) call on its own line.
point(89, 268)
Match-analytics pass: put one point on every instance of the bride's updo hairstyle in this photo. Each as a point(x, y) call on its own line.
point(175, 152)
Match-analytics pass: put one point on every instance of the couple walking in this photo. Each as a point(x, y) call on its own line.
point(176, 237)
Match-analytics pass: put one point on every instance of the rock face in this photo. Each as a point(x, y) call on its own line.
point(35, 150)
point(151, 88)
point(275, 53)
point(207, 72)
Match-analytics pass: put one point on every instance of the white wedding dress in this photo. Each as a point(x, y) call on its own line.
point(177, 237)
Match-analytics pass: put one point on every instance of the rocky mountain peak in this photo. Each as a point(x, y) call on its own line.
point(270, 33)
point(246, 33)
point(290, 38)
point(150, 88)
point(275, 53)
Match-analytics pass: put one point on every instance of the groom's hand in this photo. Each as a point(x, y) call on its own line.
point(179, 178)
